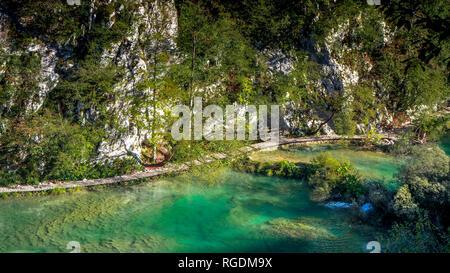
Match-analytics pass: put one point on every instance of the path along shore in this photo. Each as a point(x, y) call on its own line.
point(174, 168)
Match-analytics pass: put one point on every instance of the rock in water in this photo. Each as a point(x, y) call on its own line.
point(339, 205)
point(366, 207)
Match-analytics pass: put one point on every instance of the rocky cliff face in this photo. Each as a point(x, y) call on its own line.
point(157, 17)
point(46, 75)
point(338, 78)
point(58, 60)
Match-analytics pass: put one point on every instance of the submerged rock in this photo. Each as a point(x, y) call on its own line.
point(298, 228)
point(141, 244)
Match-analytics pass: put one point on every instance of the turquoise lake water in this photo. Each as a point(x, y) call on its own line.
point(239, 213)
point(224, 212)
point(371, 164)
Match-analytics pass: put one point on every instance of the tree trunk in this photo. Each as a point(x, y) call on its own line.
point(191, 88)
point(323, 123)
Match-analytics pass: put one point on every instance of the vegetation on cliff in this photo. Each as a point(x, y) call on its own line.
point(224, 53)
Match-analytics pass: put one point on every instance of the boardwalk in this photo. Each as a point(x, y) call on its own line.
point(175, 168)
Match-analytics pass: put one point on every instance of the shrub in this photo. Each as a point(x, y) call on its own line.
point(283, 168)
point(404, 204)
point(351, 185)
point(372, 137)
point(287, 169)
point(118, 166)
point(57, 190)
point(7, 178)
point(380, 197)
point(344, 123)
point(332, 178)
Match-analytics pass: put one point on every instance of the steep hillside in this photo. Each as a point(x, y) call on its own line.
point(87, 90)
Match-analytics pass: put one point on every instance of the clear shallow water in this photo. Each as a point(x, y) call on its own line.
point(373, 165)
point(222, 212)
point(228, 212)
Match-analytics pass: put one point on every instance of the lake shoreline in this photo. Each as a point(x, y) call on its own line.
point(176, 168)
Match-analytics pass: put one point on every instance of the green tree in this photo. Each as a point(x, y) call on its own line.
point(419, 237)
point(429, 18)
point(212, 52)
point(308, 99)
point(404, 204)
point(429, 127)
point(19, 90)
point(150, 101)
point(426, 184)
point(46, 146)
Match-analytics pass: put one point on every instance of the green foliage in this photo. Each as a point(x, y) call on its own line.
point(222, 44)
point(344, 123)
point(426, 186)
point(7, 178)
point(330, 178)
point(247, 92)
point(404, 205)
point(373, 137)
point(112, 168)
point(213, 50)
point(288, 169)
point(430, 127)
point(49, 147)
point(407, 83)
point(364, 105)
point(283, 168)
point(87, 90)
point(57, 190)
point(428, 162)
point(368, 32)
point(71, 162)
point(380, 197)
point(57, 22)
point(152, 97)
point(351, 184)
point(18, 84)
point(45, 19)
point(418, 237)
point(186, 150)
point(402, 146)
point(426, 18)
point(34, 143)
